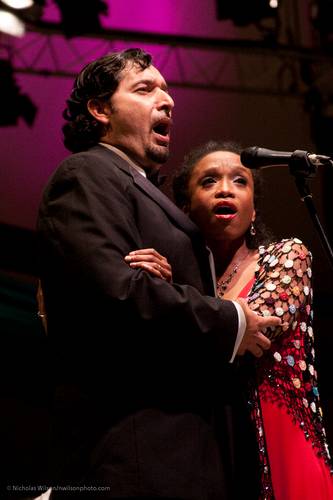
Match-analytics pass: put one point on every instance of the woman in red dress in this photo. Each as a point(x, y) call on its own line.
point(219, 194)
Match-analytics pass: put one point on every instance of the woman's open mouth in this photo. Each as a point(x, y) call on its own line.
point(225, 210)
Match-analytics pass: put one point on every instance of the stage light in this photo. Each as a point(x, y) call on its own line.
point(79, 18)
point(18, 4)
point(14, 104)
point(244, 13)
point(11, 24)
point(15, 13)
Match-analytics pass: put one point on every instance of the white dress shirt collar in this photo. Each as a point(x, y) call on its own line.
point(124, 156)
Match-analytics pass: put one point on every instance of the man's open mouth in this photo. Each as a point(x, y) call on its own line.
point(162, 127)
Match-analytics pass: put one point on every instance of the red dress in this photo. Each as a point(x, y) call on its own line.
point(284, 398)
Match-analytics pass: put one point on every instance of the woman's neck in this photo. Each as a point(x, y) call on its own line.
point(227, 253)
point(234, 265)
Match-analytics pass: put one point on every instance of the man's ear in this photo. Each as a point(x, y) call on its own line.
point(99, 110)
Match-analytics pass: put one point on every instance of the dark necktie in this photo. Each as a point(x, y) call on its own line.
point(156, 178)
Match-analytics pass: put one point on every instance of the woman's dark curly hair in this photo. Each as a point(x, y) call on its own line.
point(97, 80)
point(182, 179)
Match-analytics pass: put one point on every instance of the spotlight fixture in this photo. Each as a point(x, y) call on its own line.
point(15, 13)
point(18, 4)
point(14, 104)
point(11, 24)
point(244, 13)
point(79, 18)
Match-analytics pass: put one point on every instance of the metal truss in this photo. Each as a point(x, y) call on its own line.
point(244, 66)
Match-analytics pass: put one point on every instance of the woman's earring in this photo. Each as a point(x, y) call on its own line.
point(253, 231)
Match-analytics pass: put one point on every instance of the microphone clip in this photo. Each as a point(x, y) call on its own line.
point(302, 165)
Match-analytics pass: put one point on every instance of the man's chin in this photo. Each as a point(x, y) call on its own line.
point(158, 154)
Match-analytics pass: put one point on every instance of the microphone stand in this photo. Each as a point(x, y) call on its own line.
point(303, 168)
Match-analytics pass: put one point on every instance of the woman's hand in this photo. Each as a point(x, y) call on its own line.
point(150, 260)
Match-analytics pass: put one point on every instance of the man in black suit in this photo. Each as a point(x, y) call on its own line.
point(136, 360)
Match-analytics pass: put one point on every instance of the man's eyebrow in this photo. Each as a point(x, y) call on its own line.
point(151, 81)
point(145, 80)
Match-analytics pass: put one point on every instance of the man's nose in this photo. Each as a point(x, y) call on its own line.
point(166, 102)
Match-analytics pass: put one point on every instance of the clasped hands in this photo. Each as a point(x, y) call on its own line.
point(253, 340)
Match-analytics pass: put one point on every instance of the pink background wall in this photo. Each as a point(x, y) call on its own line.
point(259, 101)
point(30, 154)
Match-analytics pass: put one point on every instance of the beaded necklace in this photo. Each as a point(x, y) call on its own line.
point(222, 285)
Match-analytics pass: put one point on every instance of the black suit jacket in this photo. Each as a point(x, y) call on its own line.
point(136, 360)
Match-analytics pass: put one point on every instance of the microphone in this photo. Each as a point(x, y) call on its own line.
point(255, 157)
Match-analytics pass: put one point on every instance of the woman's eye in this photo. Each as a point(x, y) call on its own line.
point(241, 180)
point(207, 180)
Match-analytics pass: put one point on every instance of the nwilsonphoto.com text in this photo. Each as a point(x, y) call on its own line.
point(43, 488)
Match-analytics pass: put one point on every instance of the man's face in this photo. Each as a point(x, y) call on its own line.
point(140, 116)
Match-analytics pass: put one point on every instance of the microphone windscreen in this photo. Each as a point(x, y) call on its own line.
point(248, 157)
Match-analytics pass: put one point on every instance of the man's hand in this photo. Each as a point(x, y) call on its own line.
point(254, 341)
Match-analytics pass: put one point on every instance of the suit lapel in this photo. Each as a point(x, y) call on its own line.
point(178, 217)
point(183, 222)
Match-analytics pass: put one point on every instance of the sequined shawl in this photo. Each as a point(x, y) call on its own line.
point(286, 374)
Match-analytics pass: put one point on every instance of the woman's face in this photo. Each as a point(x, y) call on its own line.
point(221, 196)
